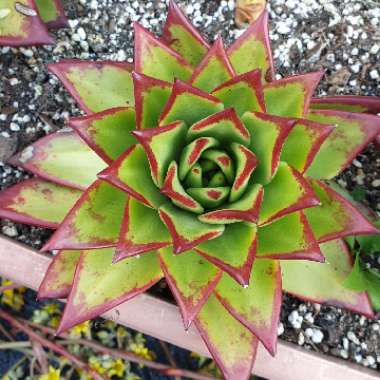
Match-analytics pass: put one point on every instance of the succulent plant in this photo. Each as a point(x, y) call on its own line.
point(26, 22)
point(196, 165)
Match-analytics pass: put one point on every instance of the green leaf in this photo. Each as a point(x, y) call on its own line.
point(234, 251)
point(61, 157)
point(214, 69)
point(191, 278)
point(155, 59)
point(133, 238)
point(108, 133)
point(131, 173)
point(52, 13)
point(290, 97)
point(182, 37)
point(232, 346)
point(352, 134)
point(323, 282)
point(85, 80)
point(257, 306)
point(356, 280)
point(37, 202)
point(99, 285)
point(59, 277)
point(209, 197)
point(186, 230)
point(94, 221)
point(335, 217)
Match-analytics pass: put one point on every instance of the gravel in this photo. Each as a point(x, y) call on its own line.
point(341, 37)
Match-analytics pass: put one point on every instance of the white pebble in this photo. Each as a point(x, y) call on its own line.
point(374, 74)
point(14, 127)
point(317, 336)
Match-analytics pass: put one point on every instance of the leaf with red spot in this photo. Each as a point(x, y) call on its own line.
point(291, 96)
point(246, 163)
point(225, 126)
point(151, 96)
point(349, 103)
point(247, 208)
point(252, 50)
point(63, 158)
point(323, 282)
point(94, 221)
point(268, 135)
point(37, 202)
point(186, 230)
point(99, 285)
point(288, 192)
point(155, 59)
point(234, 251)
point(336, 217)
point(131, 173)
point(162, 145)
point(220, 159)
point(136, 239)
point(21, 24)
point(352, 134)
point(231, 344)
point(52, 13)
point(214, 69)
point(191, 279)
point(189, 104)
point(257, 306)
point(310, 136)
point(108, 133)
point(210, 197)
point(243, 93)
point(180, 35)
point(86, 80)
point(288, 238)
point(59, 277)
point(174, 190)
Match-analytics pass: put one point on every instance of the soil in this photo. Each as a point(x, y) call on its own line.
point(341, 37)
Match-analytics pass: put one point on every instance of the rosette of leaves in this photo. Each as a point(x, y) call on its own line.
point(196, 165)
point(27, 22)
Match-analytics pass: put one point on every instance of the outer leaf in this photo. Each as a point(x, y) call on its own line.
point(252, 50)
point(63, 158)
point(59, 277)
point(323, 283)
point(37, 202)
point(234, 251)
point(258, 306)
point(290, 97)
point(232, 345)
point(288, 192)
point(336, 217)
point(182, 37)
point(151, 96)
point(162, 145)
point(289, 238)
point(349, 103)
point(94, 221)
point(100, 285)
point(18, 29)
point(131, 173)
point(310, 136)
point(108, 133)
point(189, 104)
point(247, 208)
point(244, 93)
point(52, 13)
point(85, 80)
point(353, 133)
point(142, 231)
point(155, 59)
point(191, 279)
point(268, 135)
point(186, 230)
point(214, 69)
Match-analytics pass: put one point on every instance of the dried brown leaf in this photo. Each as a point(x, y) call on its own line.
point(247, 11)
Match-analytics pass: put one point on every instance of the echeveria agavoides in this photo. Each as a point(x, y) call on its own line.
point(194, 164)
point(26, 22)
